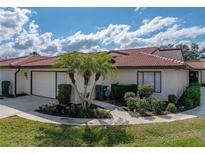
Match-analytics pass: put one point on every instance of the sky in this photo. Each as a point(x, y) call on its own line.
point(52, 31)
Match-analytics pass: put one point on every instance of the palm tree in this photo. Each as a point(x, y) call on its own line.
point(72, 62)
point(103, 66)
point(98, 64)
point(86, 69)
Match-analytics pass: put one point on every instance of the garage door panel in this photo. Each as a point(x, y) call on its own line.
point(43, 84)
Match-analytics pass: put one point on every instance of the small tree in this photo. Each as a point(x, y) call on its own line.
point(71, 62)
point(98, 64)
point(103, 66)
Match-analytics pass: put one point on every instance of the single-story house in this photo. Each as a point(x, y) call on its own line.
point(165, 69)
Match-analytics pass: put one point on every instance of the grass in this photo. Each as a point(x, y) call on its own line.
point(15, 131)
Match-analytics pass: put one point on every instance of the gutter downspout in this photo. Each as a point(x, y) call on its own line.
point(15, 81)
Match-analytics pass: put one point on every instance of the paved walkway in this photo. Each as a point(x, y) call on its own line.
point(24, 107)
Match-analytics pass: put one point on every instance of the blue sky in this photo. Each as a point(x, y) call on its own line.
point(66, 21)
point(51, 31)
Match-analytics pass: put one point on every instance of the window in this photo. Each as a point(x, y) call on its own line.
point(150, 78)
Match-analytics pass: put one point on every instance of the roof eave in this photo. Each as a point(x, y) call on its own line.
point(152, 67)
point(39, 67)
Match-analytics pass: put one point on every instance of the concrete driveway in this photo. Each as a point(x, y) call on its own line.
point(25, 104)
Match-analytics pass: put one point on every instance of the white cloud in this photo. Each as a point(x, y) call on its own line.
point(201, 44)
point(93, 41)
point(139, 9)
point(175, 34)
point(12, 22)
point(156, 23)
point(20, 35)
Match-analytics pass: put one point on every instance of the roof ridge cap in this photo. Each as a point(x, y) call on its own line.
point(13, 58)
point(164, 58)
point(20, 60)
point(44, 58)
point(134, 48)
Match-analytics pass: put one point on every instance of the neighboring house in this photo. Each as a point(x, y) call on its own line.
point(164, 69)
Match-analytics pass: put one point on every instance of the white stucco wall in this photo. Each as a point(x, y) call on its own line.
point(80, 83)
point(23, 82)
point(183, 81)
point(8, 75)
point(203, 77)
point(20, 82)
point(173, 81)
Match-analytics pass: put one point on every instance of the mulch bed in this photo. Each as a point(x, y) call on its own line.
point(74, 111)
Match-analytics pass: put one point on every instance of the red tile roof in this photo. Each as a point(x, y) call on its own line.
point(150, 50)
point(15, 62)
point(41, 63)
point(197, 64)
point(132, 58)
point(146, 60)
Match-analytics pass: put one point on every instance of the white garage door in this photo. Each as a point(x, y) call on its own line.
point(44, 84)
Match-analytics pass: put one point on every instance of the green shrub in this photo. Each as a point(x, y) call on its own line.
point(128, 95)
point(188, 102)
point(157, 106)
point(172, 99)
point(133, 103)
point(144, 106)
point(118, 90)
point(192, 92)
point(86, 112)
point(194, 84)
point(145, 90)
point(102, 113)
point(5, 85)
point(171, 108)
point(94, 113)
point(64, 93)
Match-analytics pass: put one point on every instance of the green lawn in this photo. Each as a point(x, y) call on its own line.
point(16, 131)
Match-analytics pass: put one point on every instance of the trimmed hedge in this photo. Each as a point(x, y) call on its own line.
point(171, 108)
point(157, 106)
point(192, 93)
point(191, 96)
point(172, 99)
point(118, 90)
point(5, 85)
point(64, 93)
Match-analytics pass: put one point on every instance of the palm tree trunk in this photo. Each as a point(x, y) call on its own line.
point(97, 76)
point(87, 76)
point(76, 89)
point(84, 96)
point(91, 94)
point(72, 78)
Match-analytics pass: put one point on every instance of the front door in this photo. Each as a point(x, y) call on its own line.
point(193, 76)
